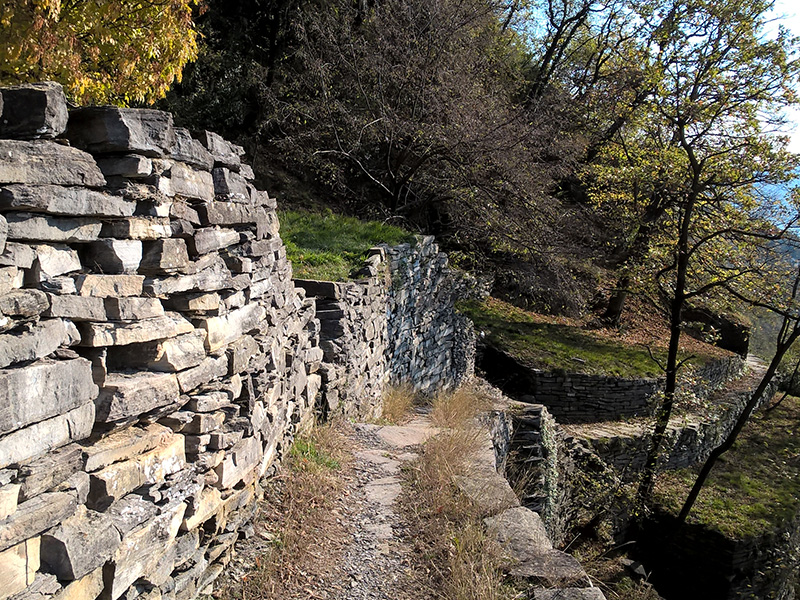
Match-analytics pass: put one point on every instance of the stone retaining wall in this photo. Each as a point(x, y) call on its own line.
point(396, 325)
point(155, 356)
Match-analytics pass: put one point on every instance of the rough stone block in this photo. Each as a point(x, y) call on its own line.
point(164, 256)
point(58, 386)
point(17, 255)
point(36, 340)
point(202, 508)
point(211, 239)
point(132, 166)
point(225, 154)
point(138, 228)
point(88, 587)
point(208, 402)
point(141, 551)
point(133, 309)
point(43, 162)
point(33, 110)
point(204, 423)
point(124, 445)
point(52, 261)
point(67, 201)
point(31, 227)
point(19, 565)
point(123, 333)
point(169, 355)
point(11, 279)
point(107, 129)
point(208, 370)
point(35, 516)
point(191, 184)
point(126, 396)
point(194, 302)
point(44, 436)
point(117, 480)
point(79, 545)
point(227, 213)
point(105, 286)
point(240, 352)
point(239, 462)
point(50, 470)
point(76, 308)
point(23, 303)
point(9, 498)
point(211, 279)
point(228, 328)
point(230, 185)
point(190, 151)
point(114, 256)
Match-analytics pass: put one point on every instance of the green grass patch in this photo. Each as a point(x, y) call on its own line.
point(330, 247)
point(755, 487)
point(305, 452)
point(552, 346)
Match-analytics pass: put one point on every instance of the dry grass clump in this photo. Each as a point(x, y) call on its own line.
point(451, 540)
point(398, 401)
point(456, 409)
point(610, 573)
point(296, 513)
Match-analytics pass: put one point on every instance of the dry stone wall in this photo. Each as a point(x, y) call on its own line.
point(395, 325)
point(155, 355)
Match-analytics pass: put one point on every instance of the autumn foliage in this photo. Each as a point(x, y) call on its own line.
point(117, 51)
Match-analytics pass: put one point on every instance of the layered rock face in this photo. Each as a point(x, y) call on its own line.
point(155, 356)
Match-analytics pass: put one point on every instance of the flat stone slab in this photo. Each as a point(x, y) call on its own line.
point(57, 386)
point(33, 227)
point(124, 444)
point(108, 129)
point(43, 162)
point(405, 436)
point(60, 200)
point(126, 396)
point(95, 334)
point(35, 516)
point(569, 594)
point(36, 341)
point(33, 110)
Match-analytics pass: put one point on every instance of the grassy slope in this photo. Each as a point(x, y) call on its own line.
point(755, 486)
point(542, 343)
point(330, 247)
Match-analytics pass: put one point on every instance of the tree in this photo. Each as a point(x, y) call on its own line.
point(702, 151)
point(122, 51)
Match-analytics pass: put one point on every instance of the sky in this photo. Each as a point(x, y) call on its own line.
point(788, 13)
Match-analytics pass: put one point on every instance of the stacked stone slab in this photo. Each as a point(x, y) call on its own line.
point(396, 324)
point(155, 356)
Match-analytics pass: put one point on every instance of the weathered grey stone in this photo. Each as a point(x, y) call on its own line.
point(59, 285)
point(52, 261)
point(164, 256)
point(569, 594)
point(131, 165)
point(79, 544)
point(224, 153)
point(20, 563)
point(121, 334)
point(76, 308)
point(133, 308)
point(126, 396)
point(214, 278)
point(9, 498)
point(194, 302)
point(201, 508)
point(11, 278)
point(211, 239)
point(23, 303)
point(191, 151)
point(35, 516)
point(31, 227)
point(239, 461)
point(240, 352)
point(108, 129)
point(208, 370)
point(88, 587)
point(182, 211)
point(17, 255)
point(44, 436)
point(58, 386)
point(230, 185)
point(138, 228)
point(33, 110)
point(46, 472)
point(228, 328)
point(67, 201)
point(36, 341)
point(204, 423)
point(189, 183)
point(169, 355)
point(208, 402)
point(105, 286)
point(114, 256)
point(246, 171)
point(43, 162)
point(228, 213)
point(321, 289)
point(124, 444)
point(141, 551)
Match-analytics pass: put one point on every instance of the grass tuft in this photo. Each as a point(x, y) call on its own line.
point(330, 247)
point(457, 408)
point(398, 401)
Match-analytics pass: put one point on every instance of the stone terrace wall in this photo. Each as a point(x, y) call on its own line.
point(397, 324)
point(155, 356)
point(430, 345)
point(580, 398)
